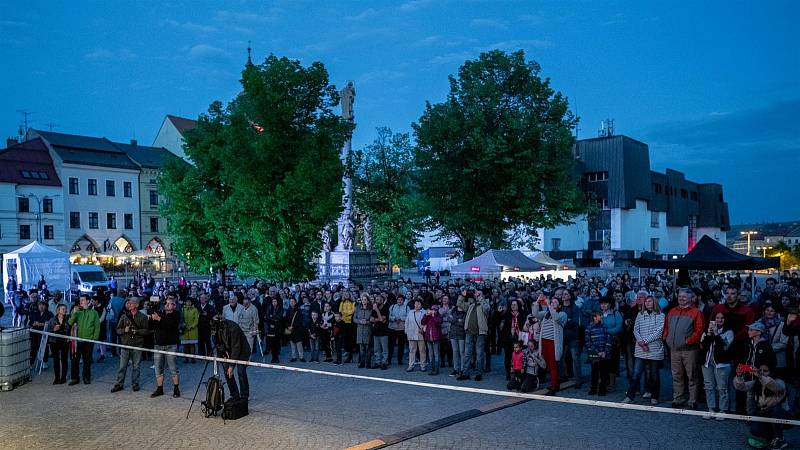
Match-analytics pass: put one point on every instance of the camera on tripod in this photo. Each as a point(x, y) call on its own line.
point(153, 306)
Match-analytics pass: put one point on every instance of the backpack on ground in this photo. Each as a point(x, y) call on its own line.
point(215, 397)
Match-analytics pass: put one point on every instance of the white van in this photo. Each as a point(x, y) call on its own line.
point(88, 279)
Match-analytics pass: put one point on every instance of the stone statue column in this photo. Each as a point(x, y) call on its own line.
point(345, 222)
point(367, 235)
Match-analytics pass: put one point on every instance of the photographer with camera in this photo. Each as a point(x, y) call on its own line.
point(768, 395)
point(231, 343)
point(166, 327)
point(131, 329)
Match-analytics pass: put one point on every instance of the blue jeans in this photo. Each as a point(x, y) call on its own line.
point(573, 347)
point(715, 380)
point(380, 345)
point(474, 346)
point(458, 354)
point(652, 382)
point(434, 360)
point(314, 345)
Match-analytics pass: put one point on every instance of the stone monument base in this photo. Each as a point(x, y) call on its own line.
point(347, 267)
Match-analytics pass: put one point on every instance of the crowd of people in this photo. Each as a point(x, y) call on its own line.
point(726, 346)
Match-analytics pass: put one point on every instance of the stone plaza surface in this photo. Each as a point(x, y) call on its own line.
point(291, 410)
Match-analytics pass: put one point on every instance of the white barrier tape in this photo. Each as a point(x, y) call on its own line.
point(574, 401)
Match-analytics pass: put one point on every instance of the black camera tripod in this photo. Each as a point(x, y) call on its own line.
point(201, 382)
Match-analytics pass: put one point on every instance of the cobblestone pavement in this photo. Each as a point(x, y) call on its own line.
point(305, 411)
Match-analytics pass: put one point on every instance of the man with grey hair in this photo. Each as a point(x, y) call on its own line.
point(683, 328)
point(131, 328)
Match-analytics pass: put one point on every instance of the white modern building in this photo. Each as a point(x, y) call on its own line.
point(170, 135)
point(31, 198)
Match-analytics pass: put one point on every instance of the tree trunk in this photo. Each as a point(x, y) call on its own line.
point(469, 248)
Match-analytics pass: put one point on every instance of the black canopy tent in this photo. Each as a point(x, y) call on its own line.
point(709, 254)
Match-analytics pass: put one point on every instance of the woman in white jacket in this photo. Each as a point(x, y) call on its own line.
point(648, 352)
point(415, 338)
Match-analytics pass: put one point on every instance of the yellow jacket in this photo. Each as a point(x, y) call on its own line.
point(346, 309)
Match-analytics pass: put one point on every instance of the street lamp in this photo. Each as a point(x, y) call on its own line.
point(748, 234)
point(765, 248)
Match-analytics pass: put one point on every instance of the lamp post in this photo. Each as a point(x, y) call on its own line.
point(765, 248)
point(748, 234)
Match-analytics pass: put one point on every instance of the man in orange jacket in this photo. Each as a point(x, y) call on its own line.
point(682, 331)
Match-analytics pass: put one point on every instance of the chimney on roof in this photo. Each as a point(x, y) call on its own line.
point(11, 141)
point(134, 142)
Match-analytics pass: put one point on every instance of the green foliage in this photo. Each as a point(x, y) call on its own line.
point(266, 175)
point(384, 191)
point(494, 160)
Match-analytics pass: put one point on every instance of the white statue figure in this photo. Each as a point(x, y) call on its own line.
point(367, 235)
point(326, 239)
point(348, 231)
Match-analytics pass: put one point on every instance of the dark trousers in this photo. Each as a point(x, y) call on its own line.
point(337, 347)
point(274, 347)
point(445, 352)
point(233, 388)
point(60, 350)
point(83, 350)
point(508, 349)
point(600, 375)
point(349, 339)
point(325, 342)
point(529, 383)
point(397, 342)
point(204, 347)
point(36, 341)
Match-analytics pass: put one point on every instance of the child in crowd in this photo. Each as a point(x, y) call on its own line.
point(533, 362)
point(517, 367)
point(337, 335)
point(314, 333)
point(432, 331)
point(598, 346)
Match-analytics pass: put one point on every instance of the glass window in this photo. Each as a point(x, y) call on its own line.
point(110, 188)
point(92, 186)
point(127, 189)
point(74, 220)
point(654, 245)
point(47, 205)
point(23, 204)
point(24, 232)
point(654, 219)
point(153, 198)
point(48, 232)
point(556, 244)
point(154, 224)
point(73, 186)
point(93, 221)
point(111, 221)
point(128, 221)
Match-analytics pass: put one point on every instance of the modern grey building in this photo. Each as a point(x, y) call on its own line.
point(639, 210)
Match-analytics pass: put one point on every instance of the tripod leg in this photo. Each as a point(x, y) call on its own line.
point(202, 377)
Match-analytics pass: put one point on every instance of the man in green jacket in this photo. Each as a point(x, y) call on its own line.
point(88, 327)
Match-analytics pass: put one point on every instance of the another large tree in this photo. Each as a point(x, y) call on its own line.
point(385, 193)
point(266, 176)
point(494, 160)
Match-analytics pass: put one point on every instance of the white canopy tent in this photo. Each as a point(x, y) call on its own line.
point(27, 265)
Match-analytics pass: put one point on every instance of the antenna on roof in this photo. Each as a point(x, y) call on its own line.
point(249, 59)
point(52, 125)
point(25, 125)
point(606, 128)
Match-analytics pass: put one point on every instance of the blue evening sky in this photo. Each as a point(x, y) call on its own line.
point(712, 87)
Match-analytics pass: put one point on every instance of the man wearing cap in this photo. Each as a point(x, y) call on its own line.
point(760, 351)
point(683, 328)
point(131, 328)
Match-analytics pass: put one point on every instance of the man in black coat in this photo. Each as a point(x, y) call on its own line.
point(232, 344)
point(206, 312)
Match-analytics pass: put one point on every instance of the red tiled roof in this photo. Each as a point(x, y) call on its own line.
point(182, 124)
point(26, 162)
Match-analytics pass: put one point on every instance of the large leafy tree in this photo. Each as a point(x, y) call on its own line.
point(494, 160)
point(385, 193)
point(266, 174)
